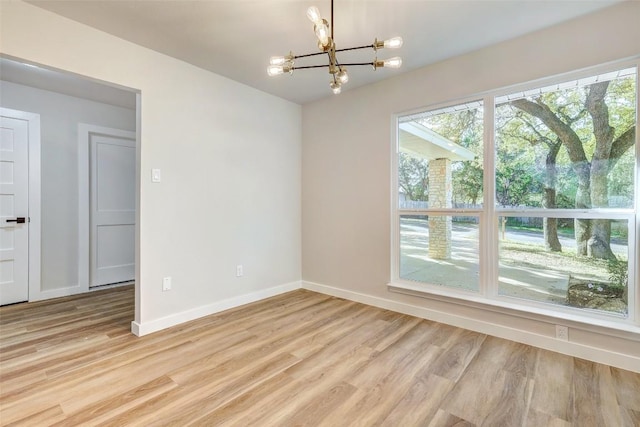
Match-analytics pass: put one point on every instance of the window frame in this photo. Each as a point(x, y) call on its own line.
point(487, 295)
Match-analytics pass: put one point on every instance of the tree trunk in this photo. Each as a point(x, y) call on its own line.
point(550, 225)
point(599, 244)
point(550, 230)
point(582, 226)
point(583, 233)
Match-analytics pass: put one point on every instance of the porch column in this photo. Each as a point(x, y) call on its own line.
point(440, 197)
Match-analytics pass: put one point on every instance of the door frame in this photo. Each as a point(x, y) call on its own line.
point(85, 132)
point(34, 213)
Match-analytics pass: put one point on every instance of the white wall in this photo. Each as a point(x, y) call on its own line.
point(346, 177)
point(59, 119)
point(230, 161)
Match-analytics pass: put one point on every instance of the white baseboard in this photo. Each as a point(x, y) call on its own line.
point(56, 293)
point(485, 326)
point(145, 328)
point(71, 290)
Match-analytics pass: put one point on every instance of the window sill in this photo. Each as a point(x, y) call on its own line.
point(616, 326)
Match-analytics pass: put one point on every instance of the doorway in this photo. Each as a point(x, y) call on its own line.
point(66, 103)
point(107, 167)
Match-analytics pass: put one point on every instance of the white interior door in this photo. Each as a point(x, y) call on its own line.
point(14, 205)
point(112, 210)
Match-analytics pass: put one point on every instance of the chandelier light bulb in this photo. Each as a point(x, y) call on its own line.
point(277, 60)
point(342, 76)
point(314, 15)
point(335, 87)
point(393, 43)
point(275, 70)
point(395, 62)
point(322, 32)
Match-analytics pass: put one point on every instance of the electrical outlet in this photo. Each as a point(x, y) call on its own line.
point(166, 284)
point(239, 270)
point(562, 333)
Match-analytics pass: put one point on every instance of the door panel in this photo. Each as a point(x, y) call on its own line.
point(14, 187)
point(112, 210)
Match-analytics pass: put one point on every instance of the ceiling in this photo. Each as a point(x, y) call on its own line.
point(235, 38)
point(65, 83)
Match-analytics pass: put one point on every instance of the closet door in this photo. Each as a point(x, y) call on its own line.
point(112, 210)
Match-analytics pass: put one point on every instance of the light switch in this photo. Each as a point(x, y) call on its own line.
point(155, 175)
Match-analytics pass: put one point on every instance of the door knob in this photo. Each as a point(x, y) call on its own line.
point(19, 220)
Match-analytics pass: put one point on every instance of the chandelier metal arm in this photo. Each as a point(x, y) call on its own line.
point(308, 54)
point(357, 63)
point(327, 65)
point(356, 48)
point(310, 66)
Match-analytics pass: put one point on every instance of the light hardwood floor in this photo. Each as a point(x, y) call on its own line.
point(300, 358)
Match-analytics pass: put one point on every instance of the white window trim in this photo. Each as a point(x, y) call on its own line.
point(487, 297)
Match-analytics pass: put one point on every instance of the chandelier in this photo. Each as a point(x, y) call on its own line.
point(326, 44)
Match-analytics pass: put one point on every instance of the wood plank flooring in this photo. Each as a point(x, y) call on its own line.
point(300, 358)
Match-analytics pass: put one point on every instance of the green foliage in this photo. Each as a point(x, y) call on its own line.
point(622, 104)
point(413, 177)
point(516, 185)
point(465, 128)
point(467, 182)
point(618, 272)
point(621, 181)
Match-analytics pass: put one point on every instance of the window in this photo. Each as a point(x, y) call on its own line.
point(540, 210)
point(439, 169)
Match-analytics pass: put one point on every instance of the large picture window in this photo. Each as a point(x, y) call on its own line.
point(535, 204)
